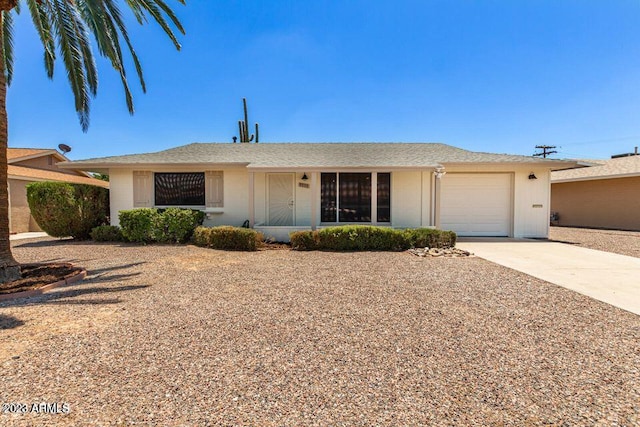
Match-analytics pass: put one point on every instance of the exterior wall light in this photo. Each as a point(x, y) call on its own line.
point(532, 176)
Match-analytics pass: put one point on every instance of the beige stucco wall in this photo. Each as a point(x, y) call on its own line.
point(407, 194)
point(411, 203)
point(21, 219)
point(604, 203)
point(236, 190)
point(236, 199)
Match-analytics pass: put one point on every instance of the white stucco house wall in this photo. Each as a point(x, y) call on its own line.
point(277, 188)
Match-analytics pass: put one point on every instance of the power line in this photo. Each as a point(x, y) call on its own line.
point(546, 150)
point(597, 141)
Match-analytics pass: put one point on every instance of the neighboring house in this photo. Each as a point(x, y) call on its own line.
point(601, 196)
point(281, 187)
point(27, 165)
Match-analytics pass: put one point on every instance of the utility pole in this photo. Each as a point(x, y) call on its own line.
point(546, 150)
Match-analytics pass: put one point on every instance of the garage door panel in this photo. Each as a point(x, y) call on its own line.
point(476, 204)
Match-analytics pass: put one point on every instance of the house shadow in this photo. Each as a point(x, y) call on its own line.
point(46, 243)
point(9, 322)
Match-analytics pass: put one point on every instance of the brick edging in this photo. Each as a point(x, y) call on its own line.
point(68, 280)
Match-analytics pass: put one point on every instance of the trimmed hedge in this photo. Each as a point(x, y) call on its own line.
point(171, 225)
point(304, 240)
point(370, 238)
point(107, 233)
point(175, 225)
point(63, 209)
point(430, 238)
point(361, 238)
point(227, 237)
point(138, 224)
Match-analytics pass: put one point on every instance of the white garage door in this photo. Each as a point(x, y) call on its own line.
point(476, 204)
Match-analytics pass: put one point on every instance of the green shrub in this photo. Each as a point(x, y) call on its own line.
point(370, 238)
point(62, 209)
point(138, 225)
point(107, 233)
point(361, 238)
point(227, 237)
point(171, 225)
point(430, 238)
point(176, 225)
point(304, 240)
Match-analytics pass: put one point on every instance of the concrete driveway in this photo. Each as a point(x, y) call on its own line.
point(608, 277)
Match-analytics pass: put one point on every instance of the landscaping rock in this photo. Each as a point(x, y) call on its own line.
point(439, 252)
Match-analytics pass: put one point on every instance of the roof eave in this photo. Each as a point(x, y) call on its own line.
point(91, 166)
point(36, 155)
point(553, 165)
point(594, 178)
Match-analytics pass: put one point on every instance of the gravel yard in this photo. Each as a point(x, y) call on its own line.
point(619, 242)
point(180, 335)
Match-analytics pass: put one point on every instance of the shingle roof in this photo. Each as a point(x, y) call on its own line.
point(17, 153)
point(300, 155)
point(613, 168)
point(49, 175)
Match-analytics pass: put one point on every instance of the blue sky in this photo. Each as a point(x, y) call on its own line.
point(498, 76)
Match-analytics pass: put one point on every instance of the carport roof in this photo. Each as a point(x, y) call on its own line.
point(312, 155)
point(614, 168)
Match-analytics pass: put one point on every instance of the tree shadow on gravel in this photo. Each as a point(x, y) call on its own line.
point(99, 271)
point(110, 278)
point(9, 322)
point(60, 297)
point(102, 274)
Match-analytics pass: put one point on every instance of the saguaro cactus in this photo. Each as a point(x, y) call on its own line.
point(243, 126)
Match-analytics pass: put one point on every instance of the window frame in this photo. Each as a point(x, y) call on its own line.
point(181, 205)
point(374, 197)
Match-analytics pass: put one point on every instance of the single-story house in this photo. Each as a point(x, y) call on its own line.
point(605, 195)
point(277, 188)
point(27, 165)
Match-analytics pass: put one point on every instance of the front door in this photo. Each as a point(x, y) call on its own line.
point(281, 201)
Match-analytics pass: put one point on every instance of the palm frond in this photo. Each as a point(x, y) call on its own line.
point(117, 18)
point(41, 16)
point(152, 7)
point(108, 40)
point(172, 16)
point(69, 23)
point(64, 22)
point(7, 45)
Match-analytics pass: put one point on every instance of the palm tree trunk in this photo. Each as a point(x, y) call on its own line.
point(9, 268)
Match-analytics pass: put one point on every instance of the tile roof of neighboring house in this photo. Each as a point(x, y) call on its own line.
point(18, 153)
point(49, 175)
point(613, 168)
point(310, 155)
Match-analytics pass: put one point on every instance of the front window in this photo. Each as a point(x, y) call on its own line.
point(355, 197)
point(179, 189)
point(384, 197)
point(347, 197)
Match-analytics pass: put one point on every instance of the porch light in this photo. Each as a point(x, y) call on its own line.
point(532, 176)
point(304, 176)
